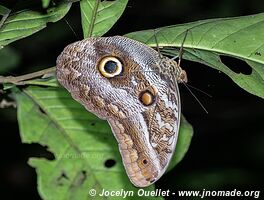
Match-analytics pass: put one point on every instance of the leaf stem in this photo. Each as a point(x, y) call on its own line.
point(91, 26)
point(19, 80)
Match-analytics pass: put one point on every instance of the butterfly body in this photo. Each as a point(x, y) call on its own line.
point(135, 90)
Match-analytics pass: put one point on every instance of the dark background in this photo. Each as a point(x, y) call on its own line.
point(227, 147)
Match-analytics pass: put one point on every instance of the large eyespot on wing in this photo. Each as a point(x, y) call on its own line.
point(110, 66)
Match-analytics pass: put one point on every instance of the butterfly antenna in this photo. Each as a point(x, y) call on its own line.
point(70, 1)
point(195, 98)
point(71, 28)
point(199, 90)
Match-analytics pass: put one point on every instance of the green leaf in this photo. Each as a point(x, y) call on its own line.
point(26, 22)
point(99, 16)
point(80, 142)
point(52, 82)
point(4, 11)
point(239, 37)
point(45, 3)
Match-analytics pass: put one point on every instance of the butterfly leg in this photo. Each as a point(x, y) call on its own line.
point(182, 75)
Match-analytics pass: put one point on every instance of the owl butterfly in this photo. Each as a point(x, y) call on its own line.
point(135, 89)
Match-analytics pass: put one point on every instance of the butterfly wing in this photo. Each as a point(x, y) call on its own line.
point(146, 134)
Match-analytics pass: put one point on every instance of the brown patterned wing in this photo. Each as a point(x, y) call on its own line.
point(121, 80)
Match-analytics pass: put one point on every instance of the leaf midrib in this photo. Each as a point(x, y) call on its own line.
point(205, 48)
point(64, 134)
point(94, 15)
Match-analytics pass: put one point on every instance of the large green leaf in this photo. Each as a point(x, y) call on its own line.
point(239, 37)
point(26, 22)
point(80, 142)
point(99, 16)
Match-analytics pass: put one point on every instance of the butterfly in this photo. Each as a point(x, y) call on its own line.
point(136, 90)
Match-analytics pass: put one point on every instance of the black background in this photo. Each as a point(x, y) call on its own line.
point(227, 147)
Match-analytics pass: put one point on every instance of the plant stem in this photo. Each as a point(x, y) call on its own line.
point(18, 80)
point(91, 26)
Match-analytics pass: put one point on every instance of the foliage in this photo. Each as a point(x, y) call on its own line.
point(207, 40)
